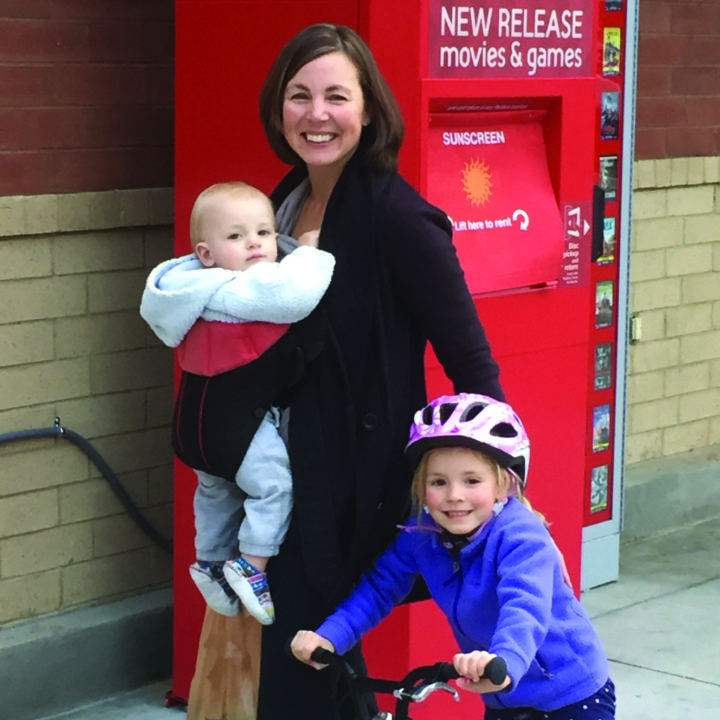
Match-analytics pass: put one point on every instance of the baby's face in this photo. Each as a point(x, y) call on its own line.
point(237, 232)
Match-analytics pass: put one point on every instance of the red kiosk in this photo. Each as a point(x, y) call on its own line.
point(518, 125)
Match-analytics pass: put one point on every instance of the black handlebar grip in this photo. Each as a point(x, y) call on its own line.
point(319, 654)
point(323, 655)
point(495, 671)
point(447, 671)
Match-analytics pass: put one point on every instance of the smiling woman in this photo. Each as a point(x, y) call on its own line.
point(324, 113)
point(328, 111)
point(323, 118)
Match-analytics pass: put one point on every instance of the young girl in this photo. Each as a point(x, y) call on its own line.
point(490, 565)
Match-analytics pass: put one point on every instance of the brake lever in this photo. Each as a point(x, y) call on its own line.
point(424, 691)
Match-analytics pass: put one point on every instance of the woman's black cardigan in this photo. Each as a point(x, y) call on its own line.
point(397, 284)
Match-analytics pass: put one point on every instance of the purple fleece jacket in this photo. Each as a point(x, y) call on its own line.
point(504, 593)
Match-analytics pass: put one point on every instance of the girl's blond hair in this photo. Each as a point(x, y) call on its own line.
point(506, 482)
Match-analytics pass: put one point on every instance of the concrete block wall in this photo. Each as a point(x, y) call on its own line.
point(73, 346)
point(674, 371)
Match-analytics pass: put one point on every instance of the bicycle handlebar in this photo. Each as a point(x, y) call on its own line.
point(415, 687)
point(324, 656)
point(495, 670)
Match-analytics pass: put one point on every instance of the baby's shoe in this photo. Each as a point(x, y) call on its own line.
point(252, 588)
point(211, 582)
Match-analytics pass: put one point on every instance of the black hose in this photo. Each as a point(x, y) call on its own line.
point(58, 431)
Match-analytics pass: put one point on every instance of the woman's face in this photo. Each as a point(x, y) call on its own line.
point(324, 111)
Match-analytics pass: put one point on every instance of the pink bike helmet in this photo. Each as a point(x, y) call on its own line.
point(473, 421)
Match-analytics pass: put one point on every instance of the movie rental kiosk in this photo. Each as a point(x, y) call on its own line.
point(519, 119)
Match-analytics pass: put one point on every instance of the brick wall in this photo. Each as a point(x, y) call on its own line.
point(674, 371)
point(87, 95)
point(72, 345)
point(678, 83)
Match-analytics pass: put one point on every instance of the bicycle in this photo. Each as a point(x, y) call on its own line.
point(415, 687)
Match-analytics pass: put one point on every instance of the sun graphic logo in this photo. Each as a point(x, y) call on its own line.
point(477, 182)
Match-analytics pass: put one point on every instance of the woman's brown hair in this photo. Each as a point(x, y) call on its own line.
point(381, 139)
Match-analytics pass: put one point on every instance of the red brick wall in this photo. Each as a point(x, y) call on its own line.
point(86, 95)
point(86, 90)
point(678, 83)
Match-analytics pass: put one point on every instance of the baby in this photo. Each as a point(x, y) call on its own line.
point(227, 307)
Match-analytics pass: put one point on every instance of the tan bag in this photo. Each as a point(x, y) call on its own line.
point(225, 684)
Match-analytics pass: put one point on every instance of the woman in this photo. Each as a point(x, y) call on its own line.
point(327, 110)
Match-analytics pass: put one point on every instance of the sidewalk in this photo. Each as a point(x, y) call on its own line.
point(659, 624)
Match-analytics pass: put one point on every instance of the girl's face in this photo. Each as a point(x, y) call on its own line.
point(461, 487)
point(324, 111)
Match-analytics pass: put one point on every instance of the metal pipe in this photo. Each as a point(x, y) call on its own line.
point(58, 431)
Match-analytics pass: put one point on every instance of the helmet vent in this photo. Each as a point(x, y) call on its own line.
point(473, 411)
point(446, 411)
point(505, 430)
point(427, 415)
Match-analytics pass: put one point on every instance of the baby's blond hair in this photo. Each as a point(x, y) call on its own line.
point(232, 188)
